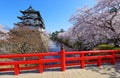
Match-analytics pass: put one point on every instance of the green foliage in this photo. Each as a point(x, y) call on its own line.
point(104, 47)
point(54, 35)
point(116, 48)
point(62, 30)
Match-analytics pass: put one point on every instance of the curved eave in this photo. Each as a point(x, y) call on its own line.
point(20, 17)
point(26, 12)
point(36, 12)
point(27, 24)
point(42, 25)
point(22, 11)
point(19, 24)
point(15, 23)
point(38, 18)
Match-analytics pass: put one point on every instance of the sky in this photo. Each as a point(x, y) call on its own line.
point(55, 13)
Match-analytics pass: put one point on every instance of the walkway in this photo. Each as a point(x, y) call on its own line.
point(105, 71)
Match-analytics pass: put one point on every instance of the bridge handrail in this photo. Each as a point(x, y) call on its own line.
point(81, 58)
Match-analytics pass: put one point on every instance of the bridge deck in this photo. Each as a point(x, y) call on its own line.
point(105, 71)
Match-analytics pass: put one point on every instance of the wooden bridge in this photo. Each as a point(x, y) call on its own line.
point(82, 60)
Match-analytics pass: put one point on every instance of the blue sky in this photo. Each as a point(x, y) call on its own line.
point(55, 13)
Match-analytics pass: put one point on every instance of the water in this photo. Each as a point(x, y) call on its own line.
point(54, 47)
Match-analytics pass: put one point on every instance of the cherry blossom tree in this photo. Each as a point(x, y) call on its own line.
point(96, 25)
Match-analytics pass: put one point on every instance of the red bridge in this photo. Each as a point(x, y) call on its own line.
point(73, 58)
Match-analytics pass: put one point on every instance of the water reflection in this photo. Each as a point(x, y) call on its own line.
point(54, 46)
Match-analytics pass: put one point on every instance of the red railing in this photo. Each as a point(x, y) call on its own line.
point(64, 59)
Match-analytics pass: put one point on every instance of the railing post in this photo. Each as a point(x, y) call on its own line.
point(113, 59)
point(40, 64)
point(82, 60)
point(16, 69)
point(99, 62)
point(63, 62)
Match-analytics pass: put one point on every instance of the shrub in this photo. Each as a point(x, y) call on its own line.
point(116, 48)
point(104, 47)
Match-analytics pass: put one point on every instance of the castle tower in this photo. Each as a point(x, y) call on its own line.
point(30, 19)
